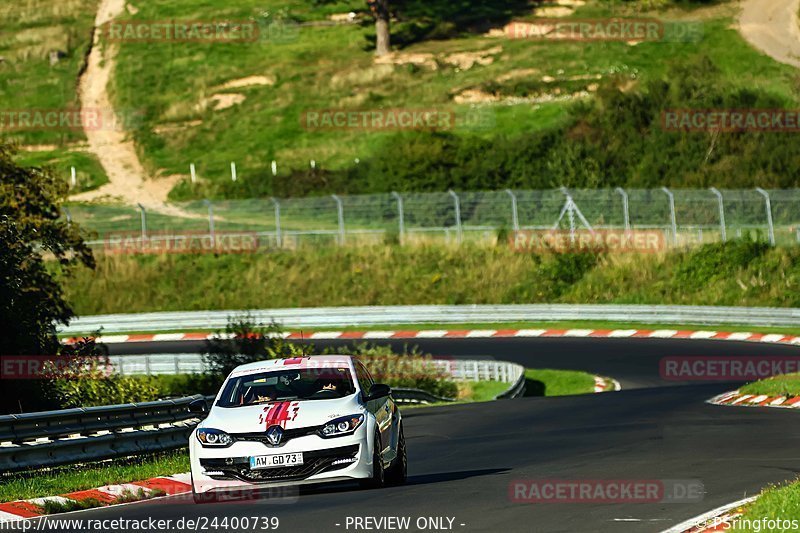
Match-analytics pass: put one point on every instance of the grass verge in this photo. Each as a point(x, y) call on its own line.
point(63, 480)
point(775, 503)
point(547, 382)
point(739, 273)
point(784, 385)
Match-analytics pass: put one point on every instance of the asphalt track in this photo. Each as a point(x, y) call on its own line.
point(463, 458)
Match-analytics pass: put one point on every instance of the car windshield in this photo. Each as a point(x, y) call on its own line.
point(287, 385)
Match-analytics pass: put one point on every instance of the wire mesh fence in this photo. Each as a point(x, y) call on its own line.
point(682, 217)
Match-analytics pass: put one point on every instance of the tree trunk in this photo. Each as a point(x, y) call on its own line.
point(383, 39)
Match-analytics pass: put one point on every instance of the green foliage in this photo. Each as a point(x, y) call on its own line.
point(31, 299)
point(420, 275)
point(180, 385)
point(560, 271)
point(718, 261)
point(616, 139)
point(244, 341)
point(784, 385)
point(89, 381)
point(409, 368)
point(247, 342)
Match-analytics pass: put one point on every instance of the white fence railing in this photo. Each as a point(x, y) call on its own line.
point(321, 317)
point(189, 363)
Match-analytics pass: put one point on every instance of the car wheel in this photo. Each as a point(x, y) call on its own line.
point(398, 472)
point(378, 475)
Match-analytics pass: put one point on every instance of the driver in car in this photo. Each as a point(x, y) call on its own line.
point(263, 393)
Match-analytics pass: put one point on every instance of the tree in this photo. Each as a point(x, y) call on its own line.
point(380, 10)
point(32, 232)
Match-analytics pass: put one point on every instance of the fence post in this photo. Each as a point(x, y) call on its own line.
point(514, 213)
point(765, 194)
point(192, 172)
point(401, 223)
point(721, 205)
point(278, 237)
point(274, 168)
point(457, 205)
point(233, 171)
point(625, 207)
point(673, 220)
point(144, 221)
point(73, 177)
point(210, 207)
point(340, 214)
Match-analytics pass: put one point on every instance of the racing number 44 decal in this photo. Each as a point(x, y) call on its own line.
point(278, 414)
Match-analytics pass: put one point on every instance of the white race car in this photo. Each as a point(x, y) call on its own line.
point(296, 421)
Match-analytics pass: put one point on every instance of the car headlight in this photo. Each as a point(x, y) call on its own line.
point(339, 427)
point(214, 438)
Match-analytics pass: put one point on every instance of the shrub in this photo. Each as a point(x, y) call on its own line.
point(246, 342)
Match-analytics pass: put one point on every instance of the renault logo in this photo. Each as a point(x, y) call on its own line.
point(274, 435)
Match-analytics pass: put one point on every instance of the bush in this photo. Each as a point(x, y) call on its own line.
point(246, 342)
point(250, 343)
point(407, 369)
point(717, 261)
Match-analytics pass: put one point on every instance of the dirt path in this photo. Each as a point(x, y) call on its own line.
point(128, 180)
point(772, 27)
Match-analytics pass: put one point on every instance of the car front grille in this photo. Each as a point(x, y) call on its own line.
point(288, 434)
point(314, 462)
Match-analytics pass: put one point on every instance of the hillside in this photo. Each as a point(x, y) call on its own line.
point(526, 113)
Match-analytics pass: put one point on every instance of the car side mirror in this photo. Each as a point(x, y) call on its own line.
point(199, 406)
point(377, 391)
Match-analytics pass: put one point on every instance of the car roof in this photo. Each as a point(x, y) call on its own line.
point(307, 361)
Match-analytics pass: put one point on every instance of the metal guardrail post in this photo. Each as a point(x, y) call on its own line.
point(277, 205)
point(210, 207)
point(401, 223)
point(457, 205)
point(625, 207)
point(340, 215)
point(765, 194)
point(673, 219)
point(144, 221)
point(514, 212)
point(721, 205)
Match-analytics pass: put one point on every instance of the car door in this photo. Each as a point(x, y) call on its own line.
point(383, 409)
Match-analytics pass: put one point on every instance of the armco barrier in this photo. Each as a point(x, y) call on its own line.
point(71, 436)
point(320, 317)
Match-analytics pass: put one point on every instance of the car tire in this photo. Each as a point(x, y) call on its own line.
point(378, 478)
point(397, 473)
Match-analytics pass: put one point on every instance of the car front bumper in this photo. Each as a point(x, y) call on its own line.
point(324, 460)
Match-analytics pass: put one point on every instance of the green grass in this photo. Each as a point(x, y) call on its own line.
point(548, 382)
point(774, 503)
point(395, 275)
point(55, 507)
point(328, 67)
point(784, 385)
point(67, 479)
point(485, 391)
point(27, 80)
point(89, 173)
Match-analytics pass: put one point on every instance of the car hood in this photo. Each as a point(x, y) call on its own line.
point(287, 414)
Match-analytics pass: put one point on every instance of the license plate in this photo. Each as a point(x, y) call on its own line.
point(275, 461)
